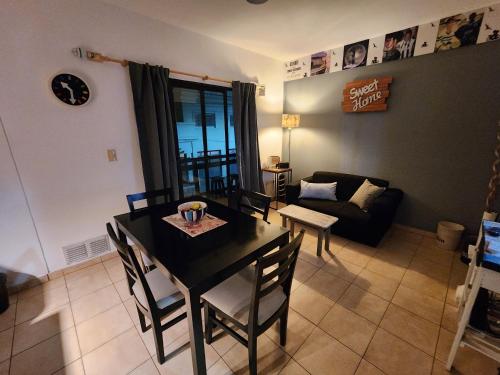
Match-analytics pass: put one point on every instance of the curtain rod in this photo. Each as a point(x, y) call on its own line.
point(99, 57)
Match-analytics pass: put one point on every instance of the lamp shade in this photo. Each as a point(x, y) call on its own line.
point(290, 121)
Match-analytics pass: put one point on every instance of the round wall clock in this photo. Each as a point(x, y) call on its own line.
point(70, 89)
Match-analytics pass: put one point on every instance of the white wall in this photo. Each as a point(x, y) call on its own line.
point(60, 151)
point(20, 254)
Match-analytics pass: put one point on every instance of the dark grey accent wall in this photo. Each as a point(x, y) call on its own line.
point(435, 142)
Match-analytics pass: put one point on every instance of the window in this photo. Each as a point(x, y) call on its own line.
point(205, 135)
point(179, 112)
point(209, 119)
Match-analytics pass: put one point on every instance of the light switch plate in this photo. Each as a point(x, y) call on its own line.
point(112, 155)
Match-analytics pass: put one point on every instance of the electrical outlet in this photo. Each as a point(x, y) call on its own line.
point(112, 155)
point(261, 90)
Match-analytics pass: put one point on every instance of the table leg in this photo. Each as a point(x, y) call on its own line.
point(283, 221)
point(320, 242)
point(276, 189)
point(292, 228)
point(327, 239)
point(193, 308)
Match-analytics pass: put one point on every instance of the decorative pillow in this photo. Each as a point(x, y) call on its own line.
point(366, 194)
point(318, 191)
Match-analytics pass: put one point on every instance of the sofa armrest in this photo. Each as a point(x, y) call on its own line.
point(386, 204)
point(292, 191)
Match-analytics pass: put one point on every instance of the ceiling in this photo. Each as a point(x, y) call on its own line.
point(286, 29)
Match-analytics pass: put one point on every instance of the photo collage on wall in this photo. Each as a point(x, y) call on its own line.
point(464, 29)
point(355, 55)
point(320, 63)
point(458, 31)
point(375, 50)
point(336, 59)
point(400, 44)
point(299, 68)
point(490, 27)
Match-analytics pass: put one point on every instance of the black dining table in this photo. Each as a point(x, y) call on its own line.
point(197, 264)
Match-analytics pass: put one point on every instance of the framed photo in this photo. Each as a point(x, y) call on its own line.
point(355, 54)
point(400, 44)
point(320, 63)
point(458, 31)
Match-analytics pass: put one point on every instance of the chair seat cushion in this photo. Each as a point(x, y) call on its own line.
point(164, 291)
point(233, 297)
point(147, 262)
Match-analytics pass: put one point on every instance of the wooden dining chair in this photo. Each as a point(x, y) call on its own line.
point(166, 194)
point(250, 202)
point(254, 299)
point(150, 196)
point(154, 294)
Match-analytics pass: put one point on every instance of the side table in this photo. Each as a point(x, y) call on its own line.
point(279, 186)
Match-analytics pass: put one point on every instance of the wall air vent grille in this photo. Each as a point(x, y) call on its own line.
point(75, 253)
point(82, 251)
point(98, 245)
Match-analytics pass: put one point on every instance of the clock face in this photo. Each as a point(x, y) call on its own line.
point(70, 89)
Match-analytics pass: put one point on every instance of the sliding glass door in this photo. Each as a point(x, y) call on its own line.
point(205, 136)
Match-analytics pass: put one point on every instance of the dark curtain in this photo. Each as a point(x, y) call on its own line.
point(155, 126)
point(247, 138)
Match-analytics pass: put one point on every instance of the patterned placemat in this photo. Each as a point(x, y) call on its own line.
point(208, 222)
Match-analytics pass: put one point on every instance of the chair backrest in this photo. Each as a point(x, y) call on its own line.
point(132, 267)
point(149, 195)
point(252, 201)
point(283, 264)
point(215, 163)
point(122, 248)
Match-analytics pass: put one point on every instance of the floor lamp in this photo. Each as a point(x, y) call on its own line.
point(290, 121)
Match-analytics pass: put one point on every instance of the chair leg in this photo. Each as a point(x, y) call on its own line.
point(142, 320)
point(158, 334)
point(209, 314)
point(252, 354)
point(283, 327)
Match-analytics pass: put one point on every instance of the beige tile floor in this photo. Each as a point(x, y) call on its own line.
point(357, 310)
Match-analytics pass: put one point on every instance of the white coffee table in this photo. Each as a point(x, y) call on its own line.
point(313, 219)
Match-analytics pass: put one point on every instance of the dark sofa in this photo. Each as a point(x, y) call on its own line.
point(354, 223)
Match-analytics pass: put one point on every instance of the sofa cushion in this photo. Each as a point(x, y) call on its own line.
point(347, 184)
point(342, 210)
point(318, 191)
point(366, 194)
